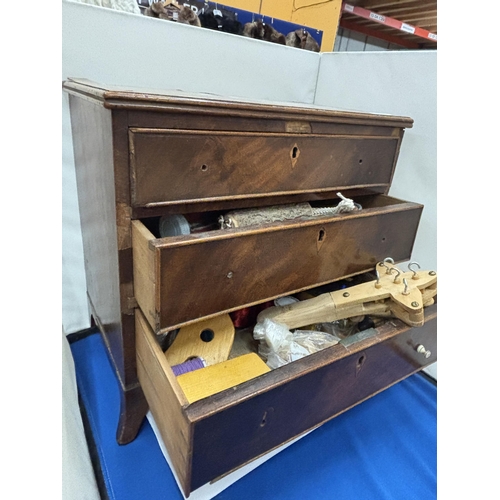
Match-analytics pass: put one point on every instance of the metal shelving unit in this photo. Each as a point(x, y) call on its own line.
point(409, 23)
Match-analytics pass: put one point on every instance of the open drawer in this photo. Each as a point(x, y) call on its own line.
point(181, 279)
point(218, 434)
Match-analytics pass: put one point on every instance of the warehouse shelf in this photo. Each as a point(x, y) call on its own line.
point(408, 23)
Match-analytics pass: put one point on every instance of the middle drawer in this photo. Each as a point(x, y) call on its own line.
point(181, 279)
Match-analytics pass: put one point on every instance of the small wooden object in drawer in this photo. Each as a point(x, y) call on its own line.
point(140, 155)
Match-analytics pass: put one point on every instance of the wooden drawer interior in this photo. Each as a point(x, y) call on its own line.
point(215, 435)
point(181, 166)
point(182, 279)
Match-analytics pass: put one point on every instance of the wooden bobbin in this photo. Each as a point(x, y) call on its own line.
point(210, 339)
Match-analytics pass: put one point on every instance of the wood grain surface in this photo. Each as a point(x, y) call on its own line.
point(181, 166)
point(206, 382)
point(210, 273)
point(166, 400)
point(141, 154)
point(279, 406)
point(168, 101)
point(210, 339)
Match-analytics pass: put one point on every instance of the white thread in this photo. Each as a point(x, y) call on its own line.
point(345, 205)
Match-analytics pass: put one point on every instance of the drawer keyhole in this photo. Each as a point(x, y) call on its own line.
point(294, 154)
point(321, 239)
point(204, 168)
point(360, 363)
point(266, 416)
point(264, 420)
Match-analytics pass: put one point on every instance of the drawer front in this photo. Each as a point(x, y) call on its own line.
point(201, 277)
point(230, 438)
point(184, 166)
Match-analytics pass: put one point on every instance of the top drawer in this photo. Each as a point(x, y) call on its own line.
point(171, 166)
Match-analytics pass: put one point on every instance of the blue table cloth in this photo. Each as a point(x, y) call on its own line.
point(382, 449)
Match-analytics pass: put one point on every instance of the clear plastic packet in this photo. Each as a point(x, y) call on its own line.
point(279, 346)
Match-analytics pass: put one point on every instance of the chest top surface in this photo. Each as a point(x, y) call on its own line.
point(128, 97)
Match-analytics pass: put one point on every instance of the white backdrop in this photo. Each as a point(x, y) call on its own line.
point(400, 83)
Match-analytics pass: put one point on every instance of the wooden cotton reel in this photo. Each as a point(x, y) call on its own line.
point(211, 339)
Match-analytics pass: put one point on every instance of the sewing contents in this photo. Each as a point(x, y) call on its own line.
point(199, 384)
point(393, 294)
point(173, 225)
point(177, 224)
point(341, 313)
point(200, 351)
point(165, 339)
point(243, 318)
point(189, 366)
point(284, 301)
point(210, 340)
point(341, 328)
point(279, 346)
point(256, 216)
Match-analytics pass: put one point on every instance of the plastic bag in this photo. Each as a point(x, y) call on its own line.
point(279, 346)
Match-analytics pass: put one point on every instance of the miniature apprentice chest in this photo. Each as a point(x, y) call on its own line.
point(146, 157)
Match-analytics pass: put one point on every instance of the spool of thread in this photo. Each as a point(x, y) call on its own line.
point(177, 225)
point(189, 366)
point(285, 301)
point(243, 318)
point(173, 225)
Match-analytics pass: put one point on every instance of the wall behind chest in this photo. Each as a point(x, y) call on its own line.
point(126, 49)
point(402, 83)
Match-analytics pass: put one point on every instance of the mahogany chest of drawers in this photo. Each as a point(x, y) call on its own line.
point(140, 155)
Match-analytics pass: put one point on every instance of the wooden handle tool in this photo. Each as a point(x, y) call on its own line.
point(393, 294)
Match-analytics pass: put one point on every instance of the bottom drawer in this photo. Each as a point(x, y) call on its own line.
point(213, 436)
